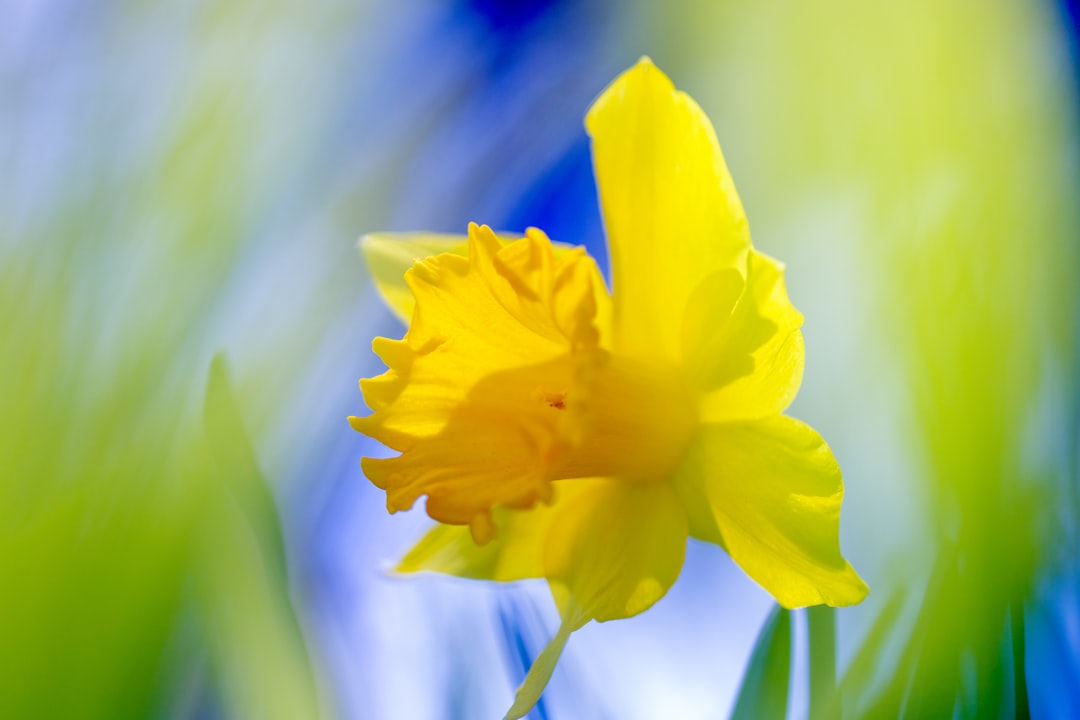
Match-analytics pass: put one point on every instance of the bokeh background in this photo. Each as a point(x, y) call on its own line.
point(184, 528)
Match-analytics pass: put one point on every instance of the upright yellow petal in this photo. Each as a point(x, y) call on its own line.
point(670, 208)
point(746, 358)
point(775, 491)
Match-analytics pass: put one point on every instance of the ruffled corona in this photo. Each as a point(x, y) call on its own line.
point(500, 387)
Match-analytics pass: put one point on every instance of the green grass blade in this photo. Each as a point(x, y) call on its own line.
point(763, 694)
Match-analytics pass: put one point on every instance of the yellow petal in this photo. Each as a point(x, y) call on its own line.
point(450, 549)
point(747, 359)
point(775, 492)
point(390, 255)
point(611, 553)
point(613, 545)
point(473, 399)
point(671, 212)
point(516, 552)
point(616, 549)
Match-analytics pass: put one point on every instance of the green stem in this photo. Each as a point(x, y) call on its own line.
point(821, 626)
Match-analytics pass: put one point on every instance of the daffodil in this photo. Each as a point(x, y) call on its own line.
point(560, 431)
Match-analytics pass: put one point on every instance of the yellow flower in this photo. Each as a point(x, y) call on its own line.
point(562, 432)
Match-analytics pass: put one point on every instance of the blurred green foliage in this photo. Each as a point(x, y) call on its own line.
point(141, 554)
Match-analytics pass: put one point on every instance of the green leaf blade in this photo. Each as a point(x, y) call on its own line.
point(763, 694)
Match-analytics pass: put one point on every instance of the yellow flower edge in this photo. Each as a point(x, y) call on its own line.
point(562, 432)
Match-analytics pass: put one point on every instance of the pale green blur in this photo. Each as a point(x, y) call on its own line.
point(141, 554)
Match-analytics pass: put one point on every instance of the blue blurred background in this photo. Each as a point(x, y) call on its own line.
point(184, 528)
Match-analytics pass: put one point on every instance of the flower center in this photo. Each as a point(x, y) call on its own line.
point(633, 422)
